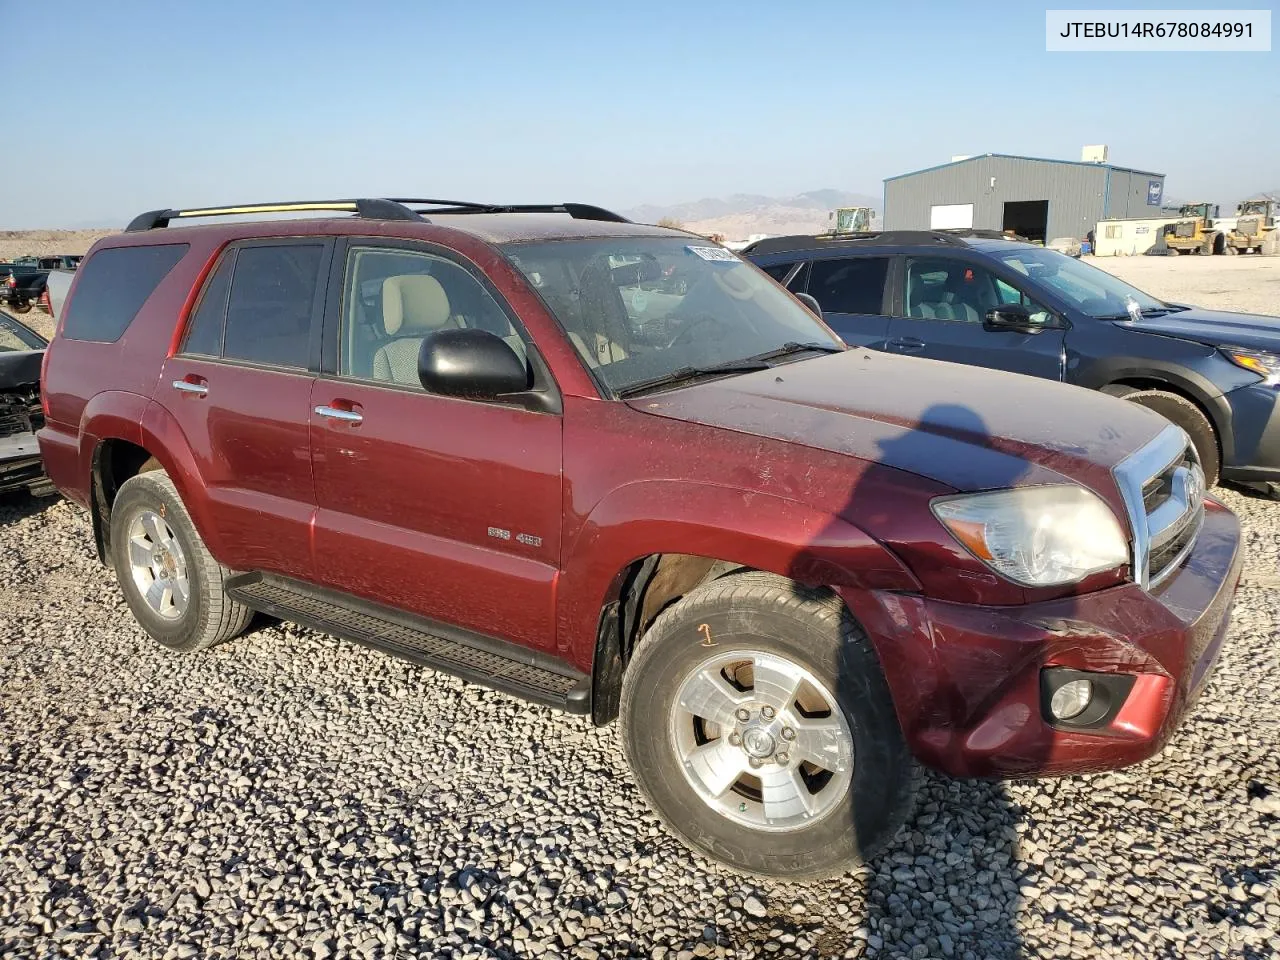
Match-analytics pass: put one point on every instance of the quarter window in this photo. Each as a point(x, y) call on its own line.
point(854, 285)
point(270, 305)
point(112, 287)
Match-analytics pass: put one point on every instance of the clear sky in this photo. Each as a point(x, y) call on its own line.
point(150, 104)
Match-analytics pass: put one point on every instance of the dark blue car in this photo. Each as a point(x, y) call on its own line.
point(994, 302)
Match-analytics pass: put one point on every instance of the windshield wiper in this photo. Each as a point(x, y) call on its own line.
point(791, 346)
point(685, 374)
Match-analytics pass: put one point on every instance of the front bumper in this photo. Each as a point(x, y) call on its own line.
point(1255, 429)
point(966, 680)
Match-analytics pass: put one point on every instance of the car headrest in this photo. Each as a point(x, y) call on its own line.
point(413, 304)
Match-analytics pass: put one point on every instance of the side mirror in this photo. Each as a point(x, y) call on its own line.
point(1013, 317)
point(814, 307)
point(470, 363)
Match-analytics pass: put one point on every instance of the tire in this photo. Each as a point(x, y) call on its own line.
point(1188, 416)
point(23, 306)
point(850, 810)
point(148, 509)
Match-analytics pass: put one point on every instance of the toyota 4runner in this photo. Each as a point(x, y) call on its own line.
point(501, 442)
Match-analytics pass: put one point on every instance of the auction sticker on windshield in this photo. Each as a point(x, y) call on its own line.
point(714, 253)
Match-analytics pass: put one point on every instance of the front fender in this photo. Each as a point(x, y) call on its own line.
point(1208, 395)
point(756, 530)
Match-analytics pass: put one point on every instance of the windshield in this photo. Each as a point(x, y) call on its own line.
point(641, 309)
point(1090, 290)
point(14, 336)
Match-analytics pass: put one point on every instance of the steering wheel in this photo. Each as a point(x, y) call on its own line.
point(693, 323)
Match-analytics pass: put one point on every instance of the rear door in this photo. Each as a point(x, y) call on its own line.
point(240, 388)
point(443, 507)
point(854, 294)
point(944, 302)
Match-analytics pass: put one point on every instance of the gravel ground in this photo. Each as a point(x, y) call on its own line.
point(291, 795)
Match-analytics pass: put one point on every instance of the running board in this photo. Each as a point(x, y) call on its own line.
point(483, 660)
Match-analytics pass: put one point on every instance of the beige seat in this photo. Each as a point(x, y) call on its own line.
point(412, 306)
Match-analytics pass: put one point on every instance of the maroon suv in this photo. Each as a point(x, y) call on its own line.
point(501, 442)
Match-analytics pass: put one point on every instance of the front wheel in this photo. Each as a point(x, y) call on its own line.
point(758, 723)
point(1185, 414)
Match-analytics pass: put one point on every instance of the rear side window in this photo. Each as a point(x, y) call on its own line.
point(855, 285)
point(204, 330)
point(270, 306)
point(112, 287)
point(779, 271)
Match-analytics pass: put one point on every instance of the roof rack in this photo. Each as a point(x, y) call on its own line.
point(372, 209)
point(914, 238)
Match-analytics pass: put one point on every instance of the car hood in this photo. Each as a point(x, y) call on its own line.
point(1216, 328)
point(965, 427)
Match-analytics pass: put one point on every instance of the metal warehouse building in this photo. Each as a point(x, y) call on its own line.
point(1039, 199)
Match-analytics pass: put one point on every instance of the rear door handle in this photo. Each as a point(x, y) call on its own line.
point(196, 388)
point(907, 344)
point(333, 413)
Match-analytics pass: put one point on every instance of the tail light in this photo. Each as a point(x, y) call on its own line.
point(44, 382)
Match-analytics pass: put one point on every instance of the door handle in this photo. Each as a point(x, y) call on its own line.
point(333, 413)
point(187, 386)
point(907, 344)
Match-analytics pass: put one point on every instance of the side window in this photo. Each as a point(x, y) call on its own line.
point(1005, 294)
point(112, 287)
point(394, 298)
point(204, 329)
point(854, 285)
point(269, 307)
point(939, 289)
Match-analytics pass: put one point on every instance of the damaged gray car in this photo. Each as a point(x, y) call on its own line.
point(21, 353)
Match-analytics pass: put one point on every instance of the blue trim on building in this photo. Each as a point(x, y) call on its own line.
point(1012, 156)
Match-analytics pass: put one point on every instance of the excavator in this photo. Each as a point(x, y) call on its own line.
point(1255, 221)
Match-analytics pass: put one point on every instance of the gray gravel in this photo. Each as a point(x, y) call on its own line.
point(289, 795)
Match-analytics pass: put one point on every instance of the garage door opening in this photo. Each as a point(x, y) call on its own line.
point(1027, 218)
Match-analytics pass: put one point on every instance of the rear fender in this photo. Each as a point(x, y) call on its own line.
point(163, 438)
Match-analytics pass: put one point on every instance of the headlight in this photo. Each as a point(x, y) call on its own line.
point(1037, 536)
point(1265, 365)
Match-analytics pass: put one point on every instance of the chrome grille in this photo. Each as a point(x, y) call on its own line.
point(1163, 489)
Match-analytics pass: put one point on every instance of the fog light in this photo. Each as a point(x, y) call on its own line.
point(1071, 699)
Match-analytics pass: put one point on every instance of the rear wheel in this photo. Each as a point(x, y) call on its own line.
point(1185, 414)
point(758, 722)
point(170, 580)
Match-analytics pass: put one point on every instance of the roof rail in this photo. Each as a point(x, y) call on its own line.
point(578, 211)
point(882, 237)
point(372, 209)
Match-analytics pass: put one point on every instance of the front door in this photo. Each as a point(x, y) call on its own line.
point(442, 507)
point(946, 300)
point(239, 388)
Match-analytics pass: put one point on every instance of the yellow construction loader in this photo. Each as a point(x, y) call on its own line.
point(1255, 221)
point(1196, 233)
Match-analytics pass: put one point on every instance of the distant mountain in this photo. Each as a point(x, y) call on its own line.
point(744, 214)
